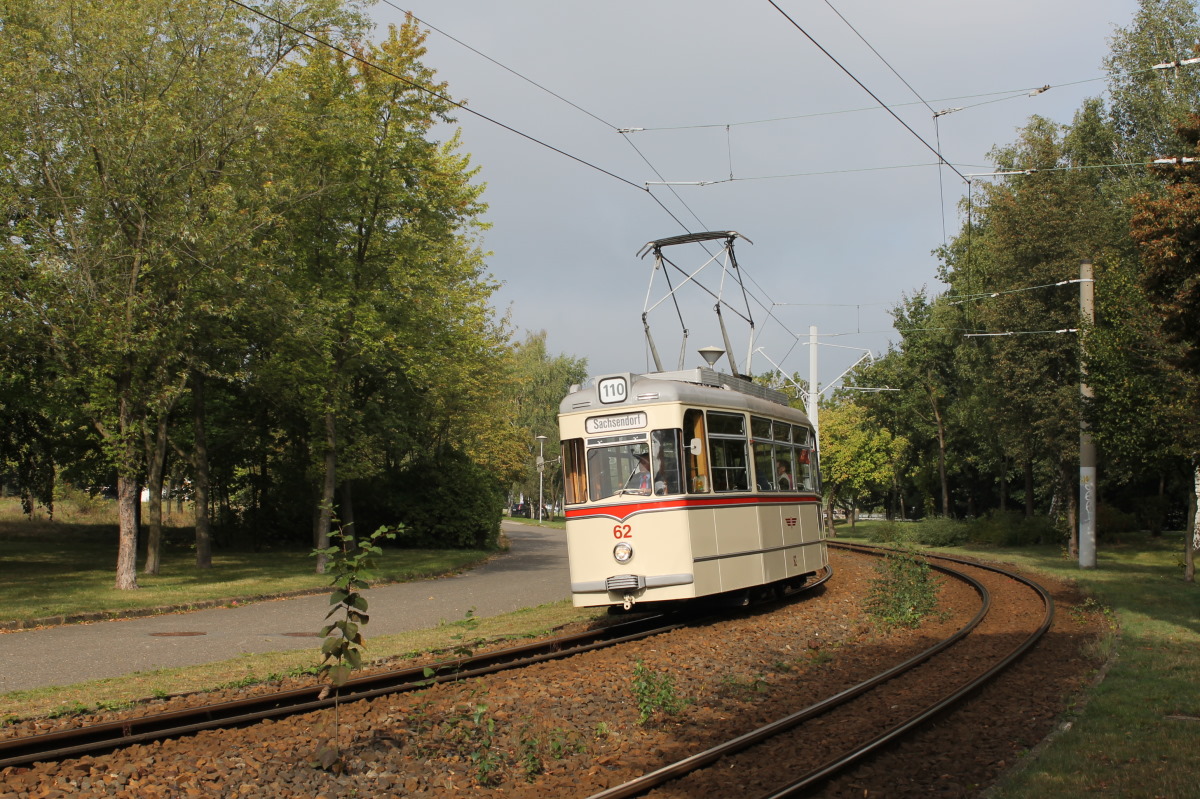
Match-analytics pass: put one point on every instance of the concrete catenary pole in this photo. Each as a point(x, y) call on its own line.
point(1087, 449)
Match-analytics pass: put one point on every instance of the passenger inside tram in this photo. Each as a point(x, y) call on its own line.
point(783, 477)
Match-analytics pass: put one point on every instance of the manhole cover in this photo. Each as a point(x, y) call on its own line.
point(173, 635)
point(302, 635)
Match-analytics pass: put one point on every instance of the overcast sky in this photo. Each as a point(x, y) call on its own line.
point(844, 206)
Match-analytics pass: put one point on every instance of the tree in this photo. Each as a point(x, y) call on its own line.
point(857, 456)
point(388, 322)
point(538, 384)
point(127, 114)
point(926, 378)
point(1149, 104)
point(1167, 231)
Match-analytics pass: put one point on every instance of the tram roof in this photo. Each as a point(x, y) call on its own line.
point(699, 386)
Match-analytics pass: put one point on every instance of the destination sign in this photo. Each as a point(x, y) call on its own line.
point(618, 421)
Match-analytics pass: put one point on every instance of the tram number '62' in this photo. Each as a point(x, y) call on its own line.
point(622, 531)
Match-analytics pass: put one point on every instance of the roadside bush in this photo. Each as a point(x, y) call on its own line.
point(1112, 521)
point(937, 532)
point(885, 533)
point(443, 500)
point(1012, 529)
point(933, 532)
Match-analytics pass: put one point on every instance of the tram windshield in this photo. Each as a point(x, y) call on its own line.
point(634, 465)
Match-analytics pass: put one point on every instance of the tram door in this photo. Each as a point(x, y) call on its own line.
point(697, 459)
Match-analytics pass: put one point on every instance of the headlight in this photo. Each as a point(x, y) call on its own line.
point(623, 552)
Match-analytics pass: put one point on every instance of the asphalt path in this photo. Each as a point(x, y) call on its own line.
point(533, 572)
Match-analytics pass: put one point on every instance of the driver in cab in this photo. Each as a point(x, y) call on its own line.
point(639, 481)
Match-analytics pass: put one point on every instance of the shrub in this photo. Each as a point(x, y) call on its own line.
point(933, 532)
point(885, 533)
point(903, 593)
point(1111, 520)
point(1012, 529)
point(936, 532)
point(443, 500)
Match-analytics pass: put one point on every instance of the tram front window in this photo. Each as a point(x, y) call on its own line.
point(615, 470)
point(637, 467)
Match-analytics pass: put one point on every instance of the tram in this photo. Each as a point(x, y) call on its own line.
point(687, 484)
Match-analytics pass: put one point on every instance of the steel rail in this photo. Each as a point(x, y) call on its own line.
point(822, 773)
point(647, 782)
point(109, 736)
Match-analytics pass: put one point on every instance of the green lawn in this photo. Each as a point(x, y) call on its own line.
point(1138, 733)
point(61, 568)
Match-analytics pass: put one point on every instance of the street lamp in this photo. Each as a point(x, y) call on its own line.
point(541, 464)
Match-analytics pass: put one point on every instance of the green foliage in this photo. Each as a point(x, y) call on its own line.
point(999, 529)
point(471, 734)
point(461, 646)
point(444, 500)
point(538, 382)
point(654, 693)
point(858, 456)
point(1012, 529)
point(537, 746)
point(1111, 520)
point(937, 532)
point(745, 687)
point(934, 532)
point(314, 257)
point(903, 592)
point(349, 563)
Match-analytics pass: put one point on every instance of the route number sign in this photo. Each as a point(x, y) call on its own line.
point(612, 389)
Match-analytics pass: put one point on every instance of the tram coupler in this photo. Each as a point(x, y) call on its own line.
point(628, 603)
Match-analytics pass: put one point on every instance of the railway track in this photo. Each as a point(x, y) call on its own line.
point(109, 736)
point(784, 738)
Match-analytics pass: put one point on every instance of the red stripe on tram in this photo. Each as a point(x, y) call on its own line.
point(625, 510)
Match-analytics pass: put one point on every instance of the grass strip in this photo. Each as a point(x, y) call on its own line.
point(250, 669)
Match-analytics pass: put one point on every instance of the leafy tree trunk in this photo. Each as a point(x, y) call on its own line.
point(1029, 488)
point(1156, 520)
point(127, 502)
point(1072, 508)
point(200, 467)
point(346, 508)
point(941, 440)
point(1191, 543)
point(831, 527)
point(325, 519)
point(1004, 484)
point(156, 457)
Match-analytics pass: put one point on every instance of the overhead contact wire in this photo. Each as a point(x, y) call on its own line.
point(851, 75)
point(432, 93)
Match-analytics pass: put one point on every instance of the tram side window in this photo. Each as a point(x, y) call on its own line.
point(665, 447)
point(574, 472)
point(697, 451)
point(806, 460)
point(787, 478)
point(811, 470)
point(727, 440)
point(764, 458)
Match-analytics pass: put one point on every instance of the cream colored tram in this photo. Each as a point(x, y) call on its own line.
point(687, 484)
